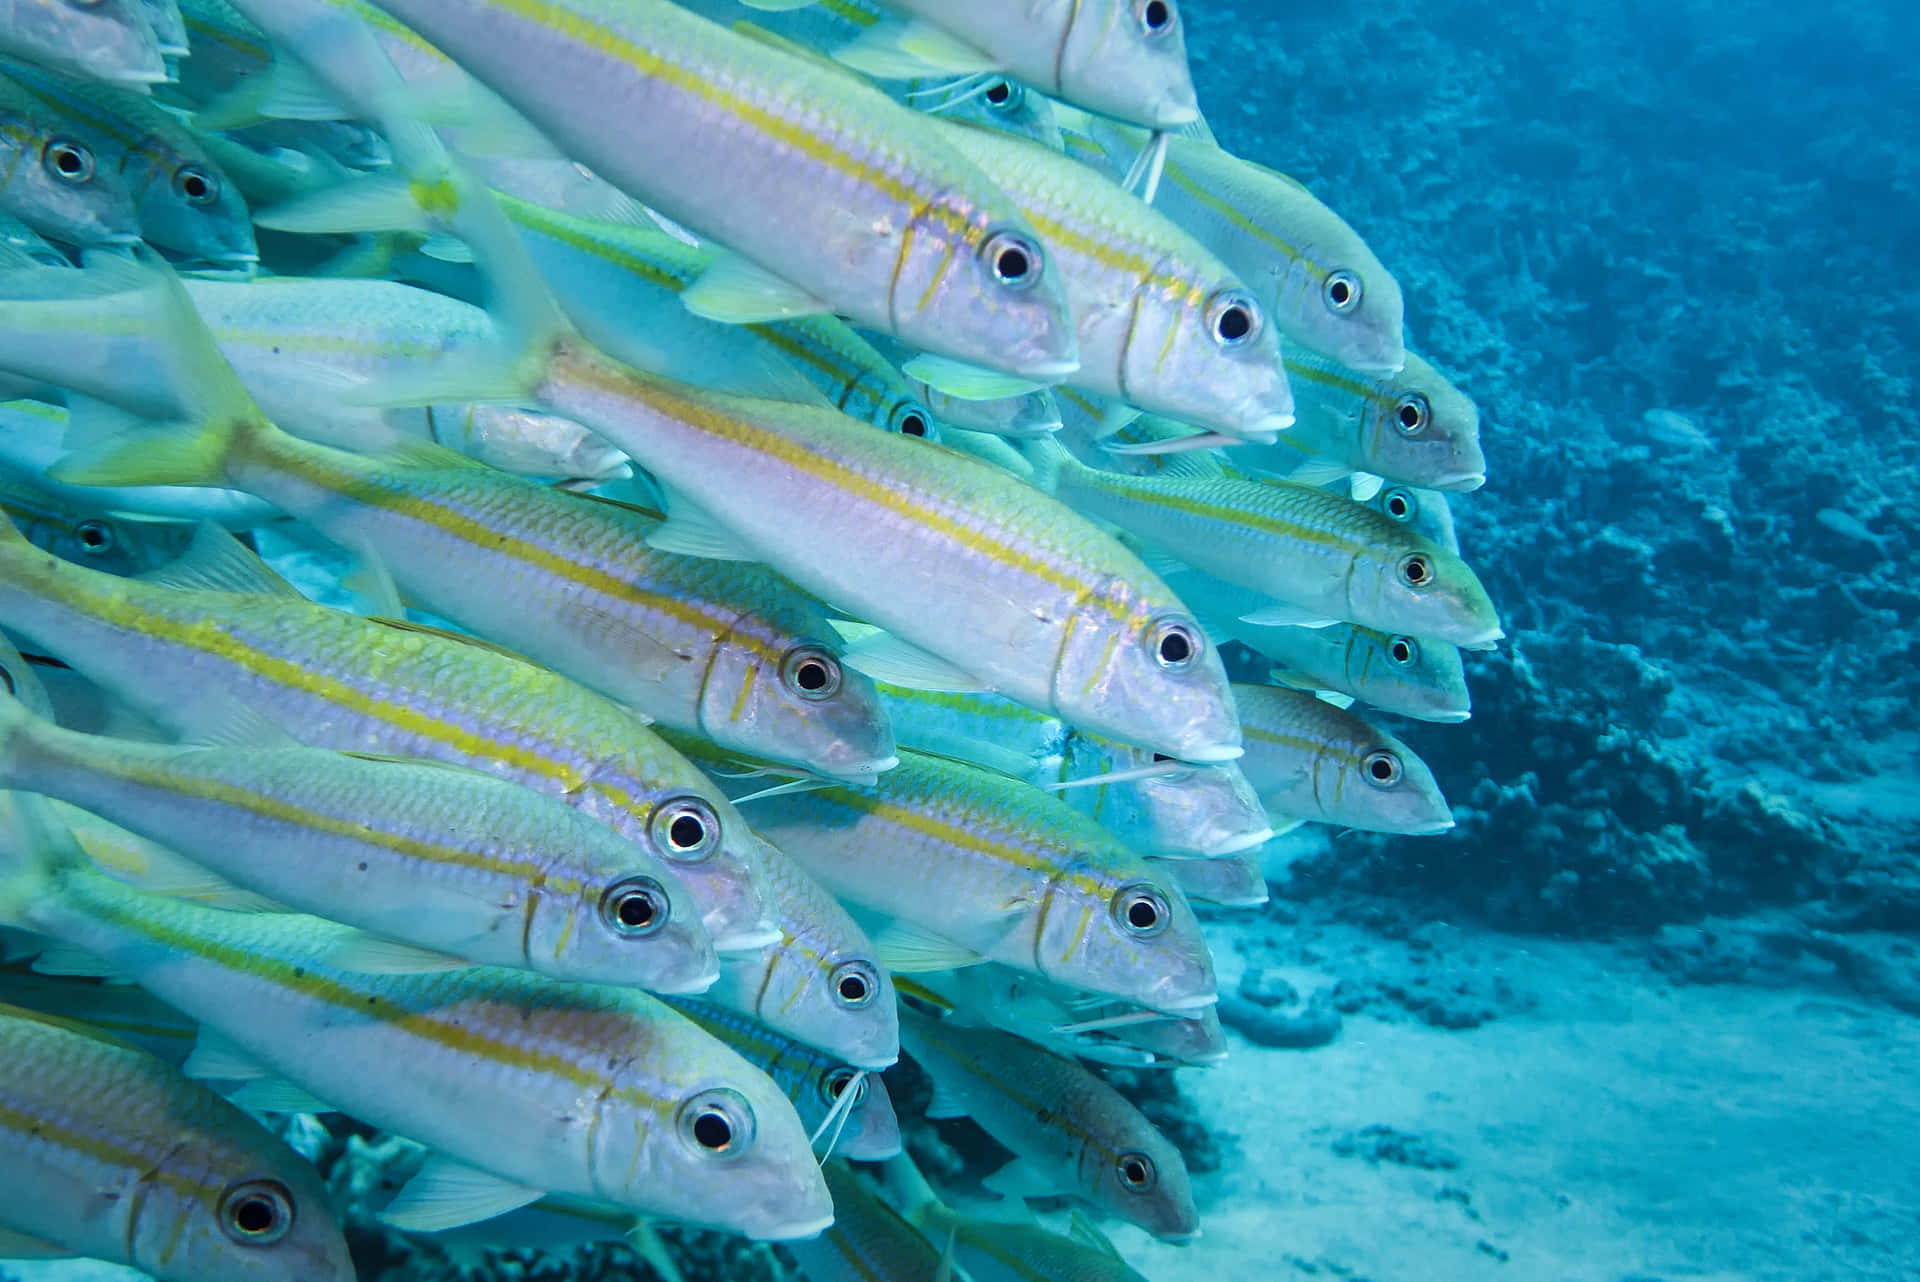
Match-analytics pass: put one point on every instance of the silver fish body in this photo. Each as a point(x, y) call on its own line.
point(869, 1240)
point(109, 40)
point(107, 1152)
point(1310, 760)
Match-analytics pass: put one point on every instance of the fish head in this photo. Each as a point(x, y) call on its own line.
point(70, 192)
point(1425, 512)
point(1234, 881)
point(1127, 933)
point(106, 39)
point(1143, 1178)
point(1411, 584)
point(530, 442)
point(1007, 105)
point(1183, 809)
point(699, 1134)
point(1400, 673)
point(1208, 356)
point(872, 1132)
point(1195, 1042)
point(1422, 429)
point(629, 922)
point(1336, 297)
point(244, 1208)
point(192, 209)
point(820, 984)
point(709, 848)
point(1383, 786)
point(1145, 675)
point(984, 291)
point(802, 705)
point(1128, 59)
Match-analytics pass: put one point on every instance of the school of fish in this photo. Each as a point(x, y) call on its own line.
point(580, 575)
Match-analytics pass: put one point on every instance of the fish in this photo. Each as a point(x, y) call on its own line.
point(1311, 760)
point(1069, 1131)
point(1425, 512)
point(110, 544)
point(1320, 283)
point(590, 1090)
point(992, 1250)
point(812, 1079)
point(1229, 881)
point(1413, 426)
point(1163, 324)
point(450, 861)
point(1117, 57)
point(978, 865)
point(1071, 1021)
point(110, 40)
point(217, 638)
point(55, 182)
point(869, 1241)
point(1029, 414)
point(1321, 556)
point(871, 217)
point(110, 1153)
point(566, 580)
point(183, 200)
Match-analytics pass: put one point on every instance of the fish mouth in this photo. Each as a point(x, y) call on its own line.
point(1272, 424)
point(1448, 717)
point(1485, 640)
point(1052, 371)
point(793, 1229)
point(1214, 755)
point(1245, 841)
point(747, 941)
point(1460, 482)
point(1435, 829)
point(689, 987)
point(1199, 1001)
point(865, 776)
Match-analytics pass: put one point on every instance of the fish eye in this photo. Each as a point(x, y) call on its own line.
point(1137, 1172)
point(68, 161)
point(635, 907)
point(195, 185)
point(1381, 768)
point(1004, 96)
point(811, 672)
point(1233, 319)
point(1014, 260)
point(1399, 504)
point(1141, 910)
point(1404, 651)
point(854, 984)
point(1416, 571)
point(1175, 645)
point(836, 1080)
point(910, 420)
point(1342, 291)
point(95, 536)
point(257, 1213)
point(1156, 16)
point(717, 1122)
point(1412, 414)
point(685, 829)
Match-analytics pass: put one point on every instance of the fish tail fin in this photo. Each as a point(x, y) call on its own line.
point(111, 448)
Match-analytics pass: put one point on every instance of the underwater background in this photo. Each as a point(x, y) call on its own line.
point(1651, 1011)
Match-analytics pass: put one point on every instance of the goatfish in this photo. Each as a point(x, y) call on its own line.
point(110, 544)
point(107, 39)
point(107, 1152)
point(869, 1241)
point(53, 181)
point(1311, 760)
point(590, 1090)
point(466, 866)
point(1163, 324)
point(834, 198)
point(1071, 1021)
point(1322, 557)
point(569, 581)
point(971, 864)
point(1324, 288)
point(216, 637)
point(1068, 1130)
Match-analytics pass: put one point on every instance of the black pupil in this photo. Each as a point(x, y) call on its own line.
point(68, 159)
point(1141, 914)
point(999, 92)
point(1382, 769)
point(811, 676)
point(686, 831)
point(635, 910)
point(913, 425)
point(1156, 15)
point(1410, 415)
point(1174, 648)
point(713, 1131)
point(1234, 324)
point(1398, 505)
point(854, 989)
point(93, 536)
point(1134, 1171)
point(196, 186)
point(1416, 571)
point(254, 1215)
point(1013, 264)
point(1161, 756)
point(1401, 652)
point(837, 1084)
point(1340, 293)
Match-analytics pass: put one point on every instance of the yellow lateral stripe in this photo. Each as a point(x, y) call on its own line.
point(1258, 522)
point(905, 815)
point(1192, 187)
point(1114, 258)
point(105, 1149)
point(1326, 376)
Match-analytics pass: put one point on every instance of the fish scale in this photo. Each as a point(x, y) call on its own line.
point(580, 1085)
point(107, 1152)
